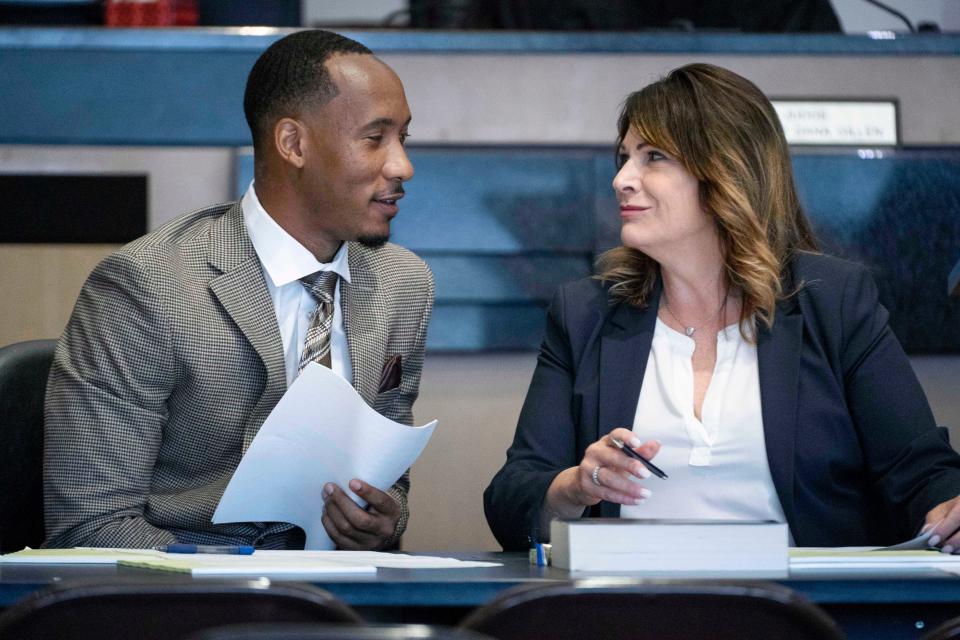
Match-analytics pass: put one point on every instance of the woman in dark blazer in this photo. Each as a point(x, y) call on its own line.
point(766, 370)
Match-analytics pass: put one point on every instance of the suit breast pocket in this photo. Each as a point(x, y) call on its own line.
point(386, 400)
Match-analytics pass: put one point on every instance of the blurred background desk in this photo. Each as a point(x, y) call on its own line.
point(865, 607)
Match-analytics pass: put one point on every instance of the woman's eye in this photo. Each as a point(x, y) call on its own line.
point(622, 160)
point(656, 155)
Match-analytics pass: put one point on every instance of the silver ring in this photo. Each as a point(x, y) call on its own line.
point(596, 476)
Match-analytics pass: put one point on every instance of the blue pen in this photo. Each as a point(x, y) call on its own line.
point(241, 550)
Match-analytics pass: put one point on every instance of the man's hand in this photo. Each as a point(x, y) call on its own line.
point(357, 529)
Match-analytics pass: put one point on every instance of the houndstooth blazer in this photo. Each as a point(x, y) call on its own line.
point(171, 361)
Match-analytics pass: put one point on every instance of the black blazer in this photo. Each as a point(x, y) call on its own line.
point(854, 452)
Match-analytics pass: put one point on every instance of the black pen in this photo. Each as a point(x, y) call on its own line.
point(654, 469)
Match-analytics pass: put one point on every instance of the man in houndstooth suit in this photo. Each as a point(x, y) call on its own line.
point(182, 342)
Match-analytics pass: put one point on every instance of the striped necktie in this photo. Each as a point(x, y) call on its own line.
point(316, 347)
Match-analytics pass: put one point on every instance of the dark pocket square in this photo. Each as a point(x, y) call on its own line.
point(391, 374)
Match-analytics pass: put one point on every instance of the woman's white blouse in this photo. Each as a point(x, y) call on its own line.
point(718, 466)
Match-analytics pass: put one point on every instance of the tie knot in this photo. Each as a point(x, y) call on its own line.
point(321, 285)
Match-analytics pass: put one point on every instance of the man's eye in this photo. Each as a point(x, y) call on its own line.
point(403, 138)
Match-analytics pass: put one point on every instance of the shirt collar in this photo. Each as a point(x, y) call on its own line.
point(283, 258)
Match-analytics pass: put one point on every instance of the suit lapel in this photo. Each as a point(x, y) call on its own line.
point(778, 357)
point(242, 291)
point(359, 300)
point(624, 350)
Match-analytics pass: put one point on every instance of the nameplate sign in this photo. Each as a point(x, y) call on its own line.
point(839, 122)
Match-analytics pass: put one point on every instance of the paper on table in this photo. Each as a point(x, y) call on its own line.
point(261, 562)
point(864, 554)
point(79, 555)
point(381, 559)
point(281, 563)
point(910, 556)
point(856, 560)
point(321, 431)
point(920, 542)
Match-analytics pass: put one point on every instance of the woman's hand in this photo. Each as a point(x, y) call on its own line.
point(603, 474)
point(944, 519)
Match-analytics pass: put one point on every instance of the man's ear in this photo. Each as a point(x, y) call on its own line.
point(289, 141)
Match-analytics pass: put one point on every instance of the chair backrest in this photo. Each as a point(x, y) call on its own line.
point(949, 630)
point(164, 609)
point(336, 632)
point(659, 610)
point(24, 368)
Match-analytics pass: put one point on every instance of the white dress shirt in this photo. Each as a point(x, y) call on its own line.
point(718, 465)
point(284, 262)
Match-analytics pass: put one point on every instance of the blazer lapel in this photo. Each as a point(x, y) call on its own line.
point(242, 291)
point(778, 358)
point(624, 350)
point(359, 301)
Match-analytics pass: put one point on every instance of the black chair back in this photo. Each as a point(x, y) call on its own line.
point(949, 630)
point(336, 632)
point(656, 610)
point(164, 609)
point(24, 368)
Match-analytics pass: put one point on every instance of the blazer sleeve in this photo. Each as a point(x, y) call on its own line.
point(105, 411)
point(910, 460)
point(544, 443)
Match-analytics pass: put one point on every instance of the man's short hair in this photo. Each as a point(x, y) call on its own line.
point(291, 73)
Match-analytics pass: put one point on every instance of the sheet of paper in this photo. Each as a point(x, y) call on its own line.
point(280, 563)
point(920, 542)
point(381, 559)
point(321, 431)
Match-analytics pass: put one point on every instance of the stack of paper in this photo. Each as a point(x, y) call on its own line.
point(675, 548)
point(914, 556)
point(816, 560)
